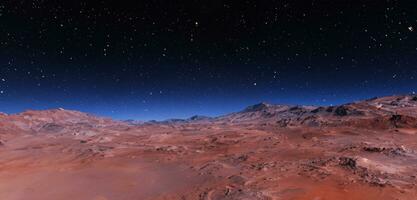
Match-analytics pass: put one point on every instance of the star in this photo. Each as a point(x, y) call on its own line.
point(410, 28)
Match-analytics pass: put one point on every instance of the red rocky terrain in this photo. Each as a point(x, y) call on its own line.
point(362, 150)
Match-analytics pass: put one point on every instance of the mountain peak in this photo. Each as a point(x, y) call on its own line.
point(198, 117)
point(258, 107)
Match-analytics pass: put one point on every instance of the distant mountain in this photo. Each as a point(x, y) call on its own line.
point(193, 119)
point(259, 107)
point(199, 118)
point(385, 112)
point(55, 121)
point(134, 122)
point(392, 111)
point(265, 113)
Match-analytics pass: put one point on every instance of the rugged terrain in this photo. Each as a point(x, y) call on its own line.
point(362, 150)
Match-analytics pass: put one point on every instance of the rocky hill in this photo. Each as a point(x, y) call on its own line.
point(385, 112)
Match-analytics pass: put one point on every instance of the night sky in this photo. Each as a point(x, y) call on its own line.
point(174, 59)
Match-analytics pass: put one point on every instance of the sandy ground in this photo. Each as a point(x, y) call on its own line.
point(203, 161)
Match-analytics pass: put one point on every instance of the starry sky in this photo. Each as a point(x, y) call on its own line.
point(173, 59)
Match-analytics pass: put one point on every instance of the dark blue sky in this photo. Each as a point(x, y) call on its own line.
point(181, 96)
point(159, 60)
